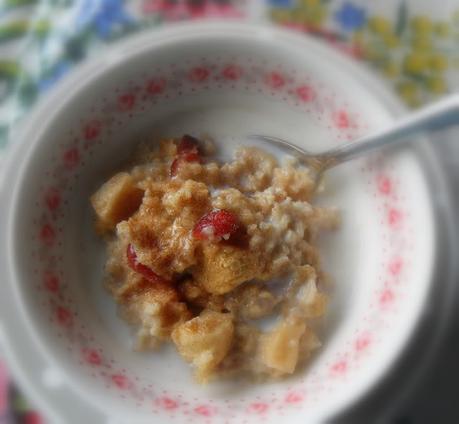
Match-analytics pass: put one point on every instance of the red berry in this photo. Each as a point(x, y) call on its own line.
point(215, 225)
point(190, 156)
point(141, 268)
point(174, 167)
point(188, 144)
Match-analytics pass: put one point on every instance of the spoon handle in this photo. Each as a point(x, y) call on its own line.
point(438, 115)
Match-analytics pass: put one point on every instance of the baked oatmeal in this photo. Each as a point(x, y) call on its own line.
point(201, 253)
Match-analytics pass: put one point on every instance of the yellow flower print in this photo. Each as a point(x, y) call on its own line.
point(409, 92)
point(380, 25)
point(442, 29)
point(313, 16)
point(391, 69)
point(309, 3)
point(358, 37)
point(410, 50)
point(372, 53)
point(438, 62)
point(281, 16)
point(391, 40)
point(318, 15)
point(436, 85)
point(421, 25)
point(415, 63)
point(422, 43)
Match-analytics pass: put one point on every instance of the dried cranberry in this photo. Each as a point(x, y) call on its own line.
point(184, 157)
point(191, 157)
point(175, 166)
point(215, 225)
point(188, 144)
point(142, 269)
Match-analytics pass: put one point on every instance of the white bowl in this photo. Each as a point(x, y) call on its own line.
point(63, 336)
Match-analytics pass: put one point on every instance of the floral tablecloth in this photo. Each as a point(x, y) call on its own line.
point(412, 44)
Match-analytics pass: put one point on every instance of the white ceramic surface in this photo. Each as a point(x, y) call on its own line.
point(60, 328)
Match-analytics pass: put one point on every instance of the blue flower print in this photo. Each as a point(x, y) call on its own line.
point(55, 74)
point(350, 17)
point(105, 16)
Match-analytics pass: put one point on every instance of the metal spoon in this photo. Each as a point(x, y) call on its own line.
point(438, 115)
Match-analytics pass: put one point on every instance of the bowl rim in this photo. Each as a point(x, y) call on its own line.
point(136, 45)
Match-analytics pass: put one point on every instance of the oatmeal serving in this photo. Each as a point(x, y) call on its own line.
point(200, 253)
